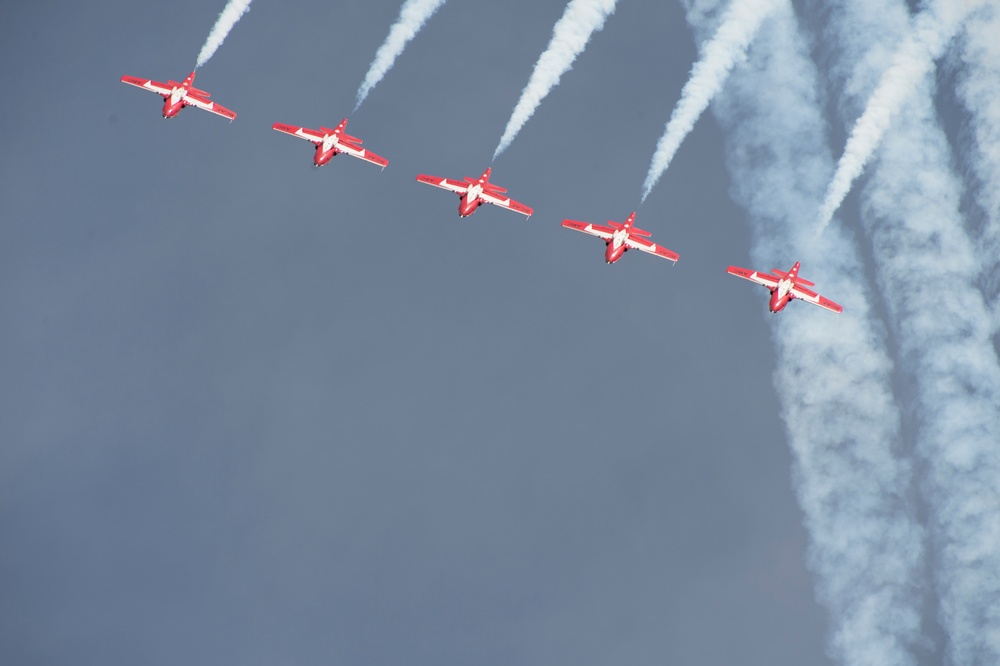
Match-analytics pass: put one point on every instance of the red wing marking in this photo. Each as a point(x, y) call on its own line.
point(508, 203)
point(362, 153)
point(747, 274)
point(444, 183)
point(814, 298)
point(211, 107)
point(598, 230)
point(300, 132)
point(146, 84)
point(650, 247)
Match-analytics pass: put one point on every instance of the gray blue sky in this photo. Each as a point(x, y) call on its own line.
point(256, 412)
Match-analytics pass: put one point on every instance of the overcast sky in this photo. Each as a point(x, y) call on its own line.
point(256, 412)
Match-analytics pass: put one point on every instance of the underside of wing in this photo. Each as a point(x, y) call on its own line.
point(599, 230)
point(508, 203)
point(300, 132)
point(765, 279)
point(146, 84)
point(444, 183)
point(363, 154)
point(650, 247)
point(211, 107)
point(812, 297)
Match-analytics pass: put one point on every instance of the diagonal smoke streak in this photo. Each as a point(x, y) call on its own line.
point(927, 269)
point(580, 20)
point(833, 374)
point(412, 17)
point(977, 88)
point(231, 13)
point(729, 45)
point(933, 30)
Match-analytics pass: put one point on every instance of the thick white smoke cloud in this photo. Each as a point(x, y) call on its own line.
point(569, 37)
point(833, 373)
point(231, 13)
point(978, 89)
point(927, 269)
point(932, 31)
point(727, 47)
point(412, 17)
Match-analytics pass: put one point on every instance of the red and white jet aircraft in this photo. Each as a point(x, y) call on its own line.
point(178, 95)
point(620, 237)
point(331, 142)
point(475, 192)
point(784, 287)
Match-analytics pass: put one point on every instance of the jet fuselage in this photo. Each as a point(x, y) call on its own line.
point(322, 157)
point(172, 105)
point(468, 205)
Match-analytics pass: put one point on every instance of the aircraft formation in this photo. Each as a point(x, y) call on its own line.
point(618, 237)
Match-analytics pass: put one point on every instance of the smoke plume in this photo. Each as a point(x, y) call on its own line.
point(833, 373)
point(569, 37)
point(728, 46)
point(977, 88)
point(231, 13)
point(412, 17)
point(912, 62)
point(926, 267)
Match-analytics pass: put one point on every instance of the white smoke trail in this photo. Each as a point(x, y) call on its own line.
point(977, 88)
point(833, 373)
point(932, 31)
point(728, 46)
point(231, 13)
point(927, 268)
point(412, 17)
point(580, 20)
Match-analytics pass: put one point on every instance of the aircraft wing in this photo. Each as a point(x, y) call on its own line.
point(444, 183)
point(769, 281)
point(636, 243)
point(301, 132)
point(507, 202)
point(146, 84)
point(211, 107)
point(599, 230)
point(363, 154)
point(812, 297)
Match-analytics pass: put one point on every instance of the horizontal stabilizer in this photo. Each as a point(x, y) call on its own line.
point(352, 139)
point(802, 282)
point(640, 232)
point(495, 189)
point(781, 274)
point(200, 93)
